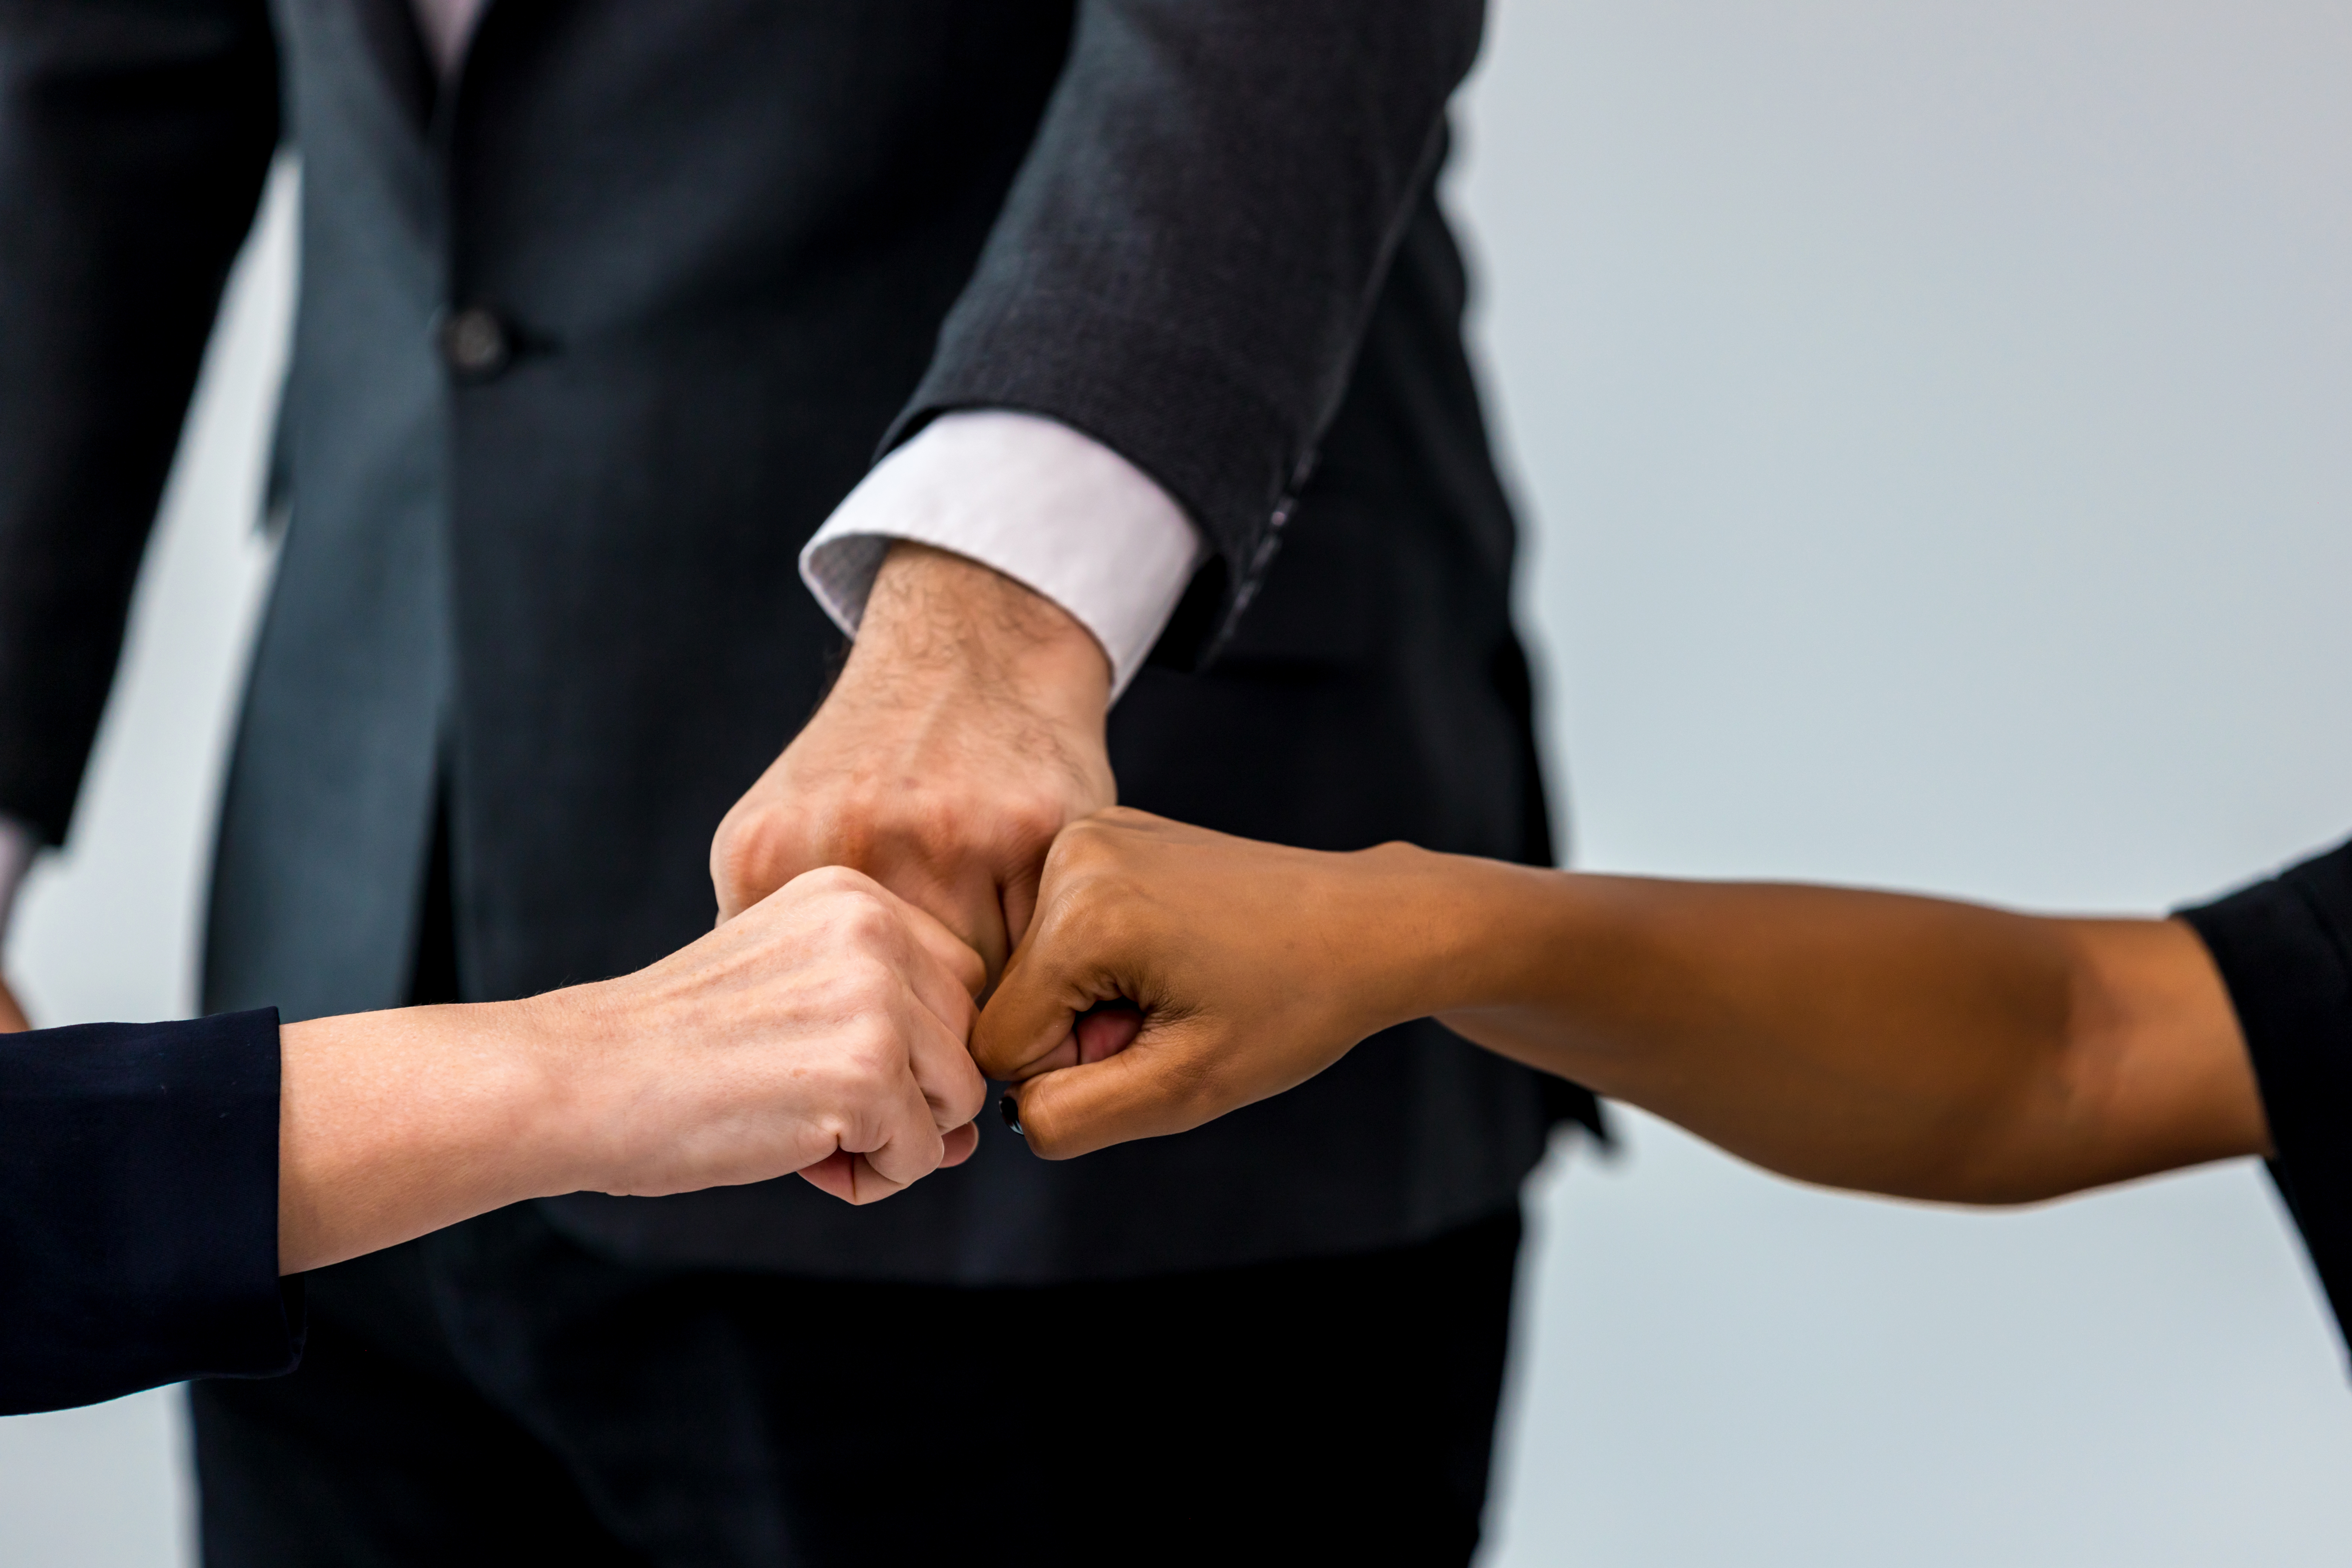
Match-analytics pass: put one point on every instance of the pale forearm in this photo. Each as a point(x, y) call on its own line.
point(394, 1125)
point(820, 1031)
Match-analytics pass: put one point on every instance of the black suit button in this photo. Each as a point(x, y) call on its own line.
point(474, 343)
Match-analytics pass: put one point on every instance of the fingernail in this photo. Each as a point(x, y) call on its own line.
point(1009, 1108)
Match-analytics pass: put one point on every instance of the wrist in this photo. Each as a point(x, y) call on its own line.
point(1446, 928)
point(1396, 912)
point(941, 620)
point(564, 1060)
point(395, 1123)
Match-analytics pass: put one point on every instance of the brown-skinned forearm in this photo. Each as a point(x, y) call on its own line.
point(1868, 1040)
point(1900, 1045)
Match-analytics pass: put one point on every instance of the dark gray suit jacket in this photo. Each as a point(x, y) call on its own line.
point(728, 248)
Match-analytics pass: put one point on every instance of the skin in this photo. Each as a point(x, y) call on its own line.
point(1871, 1041)
point(966, 730)
point(821, 1032)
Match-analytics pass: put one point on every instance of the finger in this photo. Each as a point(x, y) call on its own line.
point(12, 1016)
point(944, 1072)
point(1165, 1084)
point(1019, 900)
point(1028, 1025)
point(960, 1144)
point(946, 957)
point(1102, 1030)
point(850, 1178)
point(1106, 1030)
point(870, 1185)
point(910, 1144)
point(835, 1173)
point(967, 906)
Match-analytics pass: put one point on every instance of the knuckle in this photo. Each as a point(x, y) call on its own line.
point(1078, 847)
point(740, 851)
point(864, 917)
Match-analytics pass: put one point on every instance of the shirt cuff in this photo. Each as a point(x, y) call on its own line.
point(1054, 510)
point(19, 845)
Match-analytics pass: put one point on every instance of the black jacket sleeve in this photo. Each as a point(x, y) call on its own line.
point(134, 136)
point(1190, 254)
point(139, 1210)
point(2284, 950)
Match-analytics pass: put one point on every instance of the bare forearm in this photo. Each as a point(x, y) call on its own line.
point(820, 1031)
point(1892, 1043)
point(394, 1125)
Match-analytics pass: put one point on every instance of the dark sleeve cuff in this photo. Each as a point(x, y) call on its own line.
point(139, 1233)
point(2284, 950)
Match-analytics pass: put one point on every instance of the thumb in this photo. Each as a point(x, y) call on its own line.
point(1029, 1024)
point(1163, 1084)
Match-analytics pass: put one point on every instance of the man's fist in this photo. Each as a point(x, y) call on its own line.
point(965, 732)
point(12, 1016)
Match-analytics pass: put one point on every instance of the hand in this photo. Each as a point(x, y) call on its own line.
point(12, 1016)
point(1254, 967)
point(823, 1031)
point(965, 732)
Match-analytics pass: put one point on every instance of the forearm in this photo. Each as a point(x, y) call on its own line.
point(1892, 1043)
point(821, 1031)
point(394, 1125)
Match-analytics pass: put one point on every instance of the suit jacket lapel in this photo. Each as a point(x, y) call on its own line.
point(389, 28)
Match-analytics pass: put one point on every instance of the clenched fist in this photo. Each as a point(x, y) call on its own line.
point(965, 732)
point(1248, 968)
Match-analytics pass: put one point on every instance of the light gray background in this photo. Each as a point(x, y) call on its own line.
point(1931, 417)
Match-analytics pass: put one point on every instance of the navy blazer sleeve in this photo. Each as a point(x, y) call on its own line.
point(139, 1210)
point(2284, 950)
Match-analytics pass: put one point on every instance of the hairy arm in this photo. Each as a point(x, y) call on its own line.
point(966, 730)
point(1885, 1042)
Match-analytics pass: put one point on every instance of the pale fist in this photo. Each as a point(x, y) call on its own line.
point(822, 1032)
point(965, 732)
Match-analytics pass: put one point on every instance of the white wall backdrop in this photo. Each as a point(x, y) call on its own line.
point(1930, 421)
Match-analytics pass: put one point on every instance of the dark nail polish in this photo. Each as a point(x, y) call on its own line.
point(1009, 1108)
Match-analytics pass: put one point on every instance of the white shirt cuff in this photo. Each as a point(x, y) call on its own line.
point(19, 845)
point(1054, 510)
